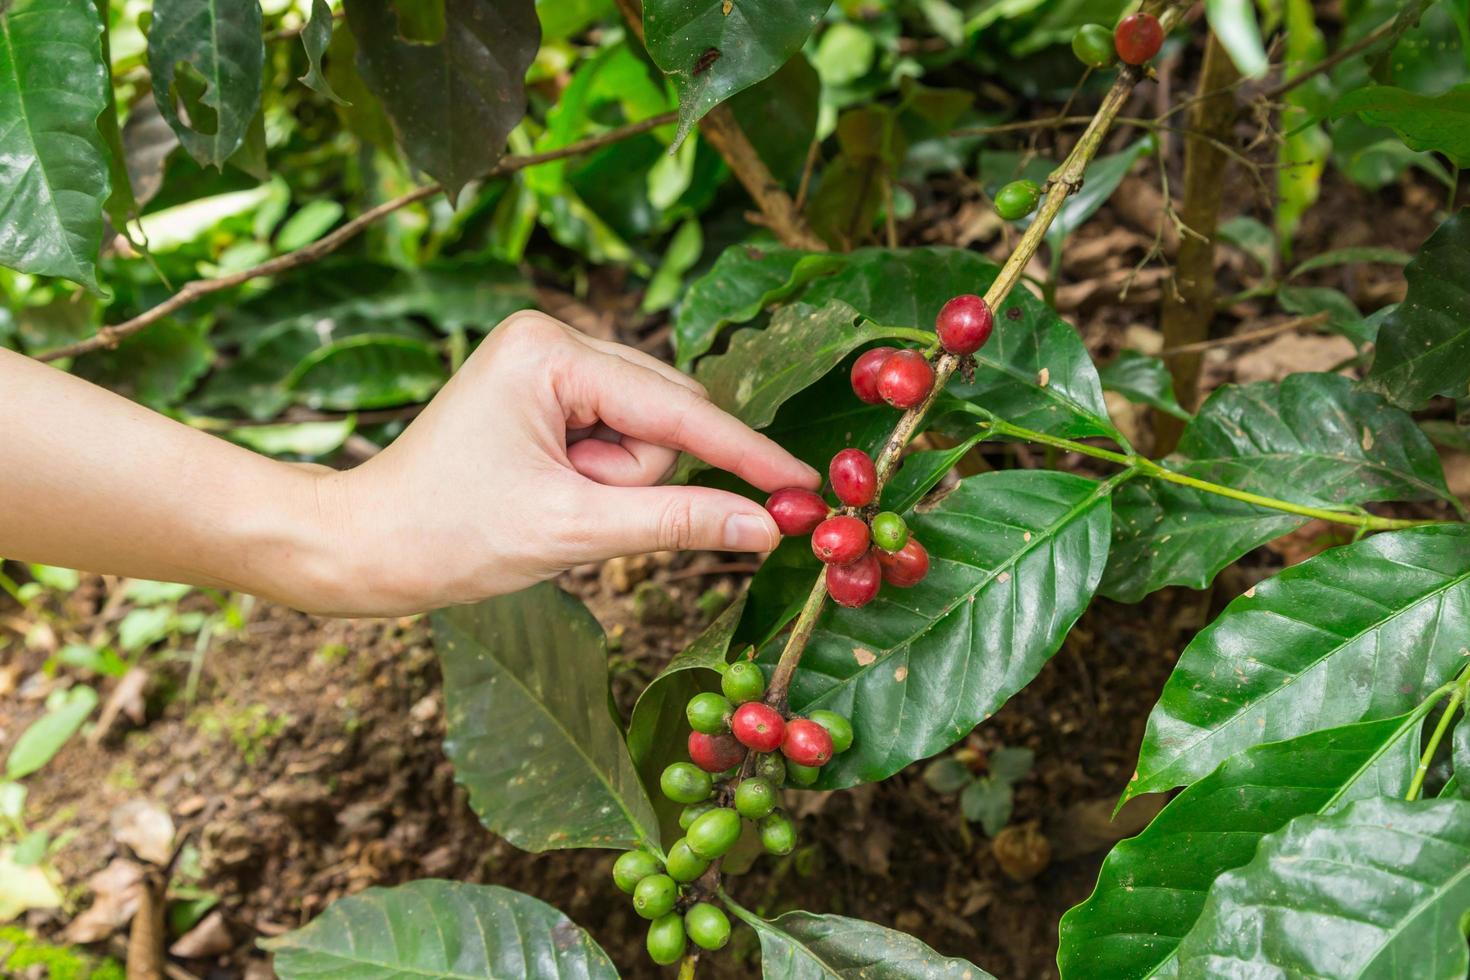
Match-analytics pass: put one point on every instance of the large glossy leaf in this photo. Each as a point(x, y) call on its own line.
point(1142, 379)
point(1151, 888)
point(53, 166)
point(803, 946)
point(1312, 440)
point(440, 929)
point(219, 42)
point(1015, 556)
point(1358, 632)
point(1440, 123)
point(1424, 346)
point(1379, 889)
point(454, 102)
point(712, 49)
point(368, 371)
point(535, 663)
point(780, 117)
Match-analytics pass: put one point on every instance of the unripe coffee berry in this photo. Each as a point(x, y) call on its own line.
point(856, 583)
point(684, 782)
point(1093, 46)
point(839, 540)
point(755, 797)
point(772, 768)
point(806, 743)
point(632, 867)
point(743, 681)
point(714, 833)
point(714, 753)
point(684, 865)
point(905, 379)
point(710, 713)
point(854, 478)
point(905, 567)
point(796, 511)
point(802, 775)
point(778, 833)
point(693, 812)
point(1138, 38)
point(666, 939)
point(837, 726)
point(655, 896)
point(865, 374)
point(1017, 199)
point(889, 531)
point(758, 726)
point(964, 324)
point(707, 926)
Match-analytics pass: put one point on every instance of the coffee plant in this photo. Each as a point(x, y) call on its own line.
point(1313, 731)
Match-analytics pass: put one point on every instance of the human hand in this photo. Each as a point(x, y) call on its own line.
point(543, 452)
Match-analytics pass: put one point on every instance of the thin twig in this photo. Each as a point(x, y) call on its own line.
point(1327, 64)
point(1285, 326)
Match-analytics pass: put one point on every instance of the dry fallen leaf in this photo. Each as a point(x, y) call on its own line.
point(210, 937)
point(116, 891)
point(145, 827)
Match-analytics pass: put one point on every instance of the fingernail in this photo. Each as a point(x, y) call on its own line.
point(815, 478)
point(746, 532)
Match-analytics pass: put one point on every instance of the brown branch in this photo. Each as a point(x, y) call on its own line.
point(109, 336)
point(1235, 340)
point(1331, 62)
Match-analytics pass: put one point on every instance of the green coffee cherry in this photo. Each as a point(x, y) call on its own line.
point(755, 797)
point(655, 896)
point(709, 713)
point(684, 782)
point(632, 867)
point(837, 726)
point(803, 775)
point(684, 865)
point(666, 939)
point(692, 812)
point(707, 926)
point(1013, 202)
point(743, 681)
point(778, 833)
point(1093, 46)
point(714, 833)
point(889, 531)
point(771, 767)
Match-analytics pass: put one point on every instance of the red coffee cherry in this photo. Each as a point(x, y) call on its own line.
point(839, 540)
point(758, 726)
point(964, 324)
point(854, 479)
point(806, 743)
point(1138, 38)
point(905, 379)
point(856, 583)
point(905, 567)
point(796, 511)
point(715, 753)
point(865, 374)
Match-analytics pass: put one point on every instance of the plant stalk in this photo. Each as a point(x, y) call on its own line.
point(1456, 697)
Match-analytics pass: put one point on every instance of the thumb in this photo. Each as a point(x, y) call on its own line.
point(637, 520)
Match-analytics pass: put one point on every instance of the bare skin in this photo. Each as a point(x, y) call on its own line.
point(545, 451)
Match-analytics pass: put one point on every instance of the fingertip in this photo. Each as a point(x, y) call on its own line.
point(747, 531)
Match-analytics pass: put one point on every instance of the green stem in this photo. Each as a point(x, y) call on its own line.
point(1456, 697)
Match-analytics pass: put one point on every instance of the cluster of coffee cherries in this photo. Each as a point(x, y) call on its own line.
point(719, 791)
point(861, 546)
point(1136, 39)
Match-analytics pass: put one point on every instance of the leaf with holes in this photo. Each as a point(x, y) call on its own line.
point(205, 57)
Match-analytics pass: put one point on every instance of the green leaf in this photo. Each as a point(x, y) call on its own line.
point(535, 663)
point(316, 36)
point(368, 371)
point(308, 440)
point(157, 367)
point(1312, 440)
point(24, 887)
point(1234, 23)
point(121, 206)
point(443, 929)
point(1379, 889)
point(307, 225)
point(988, 801)
point(1459, 784)
point(453, 103)
point(803, 946)
point(1424, 345)
point(780, 116)
point(1366, 254)
point(1440, 123)
point(920, 471)
point(1302, 155)
point(711, 54)
point(53, 165)
point(680, 255)
point(1152, 887)
point(1343, 315)
point(220, 43)
point(147, 141)
point(1359, 632)
point(1015, 556)
point(1101, 178)
point(947, 775)
point(45, 736)
point(1011, 764)
point(1142, 379)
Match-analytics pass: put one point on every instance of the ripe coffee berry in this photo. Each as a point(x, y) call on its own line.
point(1138, 38)
point(778, 833)
point(837, 726)
point(907, 566)
point(839, 540)
point(743, 681)
point(666, 939)
point(796, 511)
point(707, 926)
point(806, 743)
point(758, 726)
point(964, 324)
point(854, 478)
point(889, 531)
point(905, 379)
point(1017, 199)
point(709, 713)
point(684, 782)
point(1093, 46)
point(632, 867)
point(856, 583)
point(755, 797)
point(655, 896)
point(802, 775)
point(714, 833)
point(865, 374)
point(684, 865)
point(714, 753)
